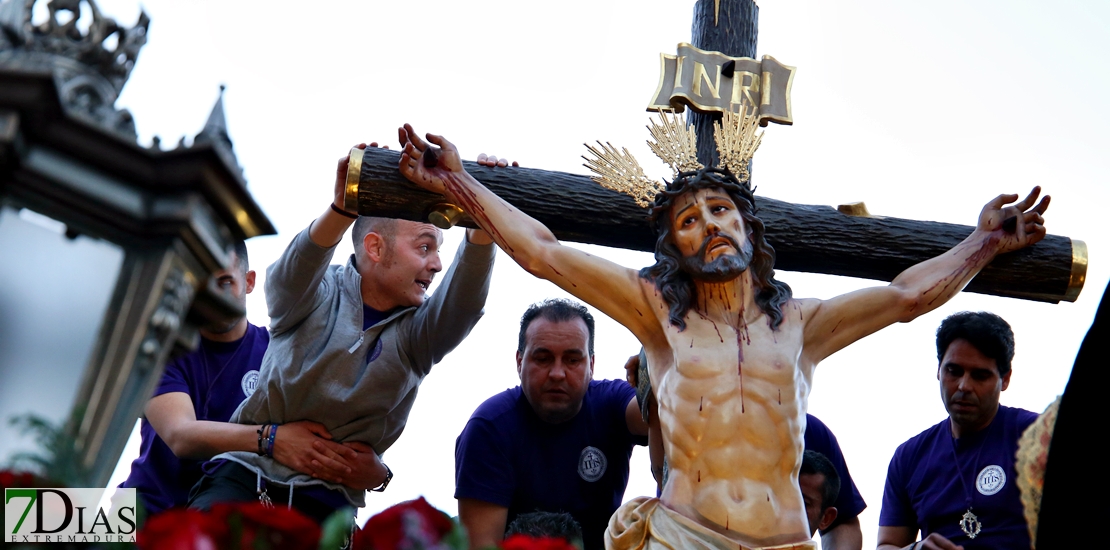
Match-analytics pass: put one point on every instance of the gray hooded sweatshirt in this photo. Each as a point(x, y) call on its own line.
point(321, 366)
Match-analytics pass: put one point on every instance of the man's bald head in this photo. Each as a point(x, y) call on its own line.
point(364, 225)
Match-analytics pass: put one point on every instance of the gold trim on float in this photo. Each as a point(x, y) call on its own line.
point(354, 171)
point(857, 209)
point(1078, 270)
point(445, 215)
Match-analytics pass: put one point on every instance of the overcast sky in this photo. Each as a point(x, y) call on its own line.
point(922, 110)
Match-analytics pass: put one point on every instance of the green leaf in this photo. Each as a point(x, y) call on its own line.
point(337, 528)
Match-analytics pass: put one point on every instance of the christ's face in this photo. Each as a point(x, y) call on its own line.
point(711, 235)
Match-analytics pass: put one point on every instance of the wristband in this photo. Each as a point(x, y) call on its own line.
point(270, 443)
point(388, 478)
point(261, 452)
point(343, 212)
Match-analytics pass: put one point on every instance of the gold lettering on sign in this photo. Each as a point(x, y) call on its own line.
point(701, 75)
point(678, 72)
point(742, 89)
point(766, 99)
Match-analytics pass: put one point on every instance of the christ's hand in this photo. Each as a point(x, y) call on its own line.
point(424, 164)
point(1017, 225)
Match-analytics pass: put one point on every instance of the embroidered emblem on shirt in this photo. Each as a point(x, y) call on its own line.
point(249, 382)
point(591, 464)
point(990, 480)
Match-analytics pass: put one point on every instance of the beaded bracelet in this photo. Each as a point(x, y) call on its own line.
point(260, 437)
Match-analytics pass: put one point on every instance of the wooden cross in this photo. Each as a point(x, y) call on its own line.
point(810, 238)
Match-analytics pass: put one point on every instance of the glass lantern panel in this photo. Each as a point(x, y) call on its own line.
point(54, 291)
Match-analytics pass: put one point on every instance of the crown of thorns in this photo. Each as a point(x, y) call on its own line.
point(676, 143)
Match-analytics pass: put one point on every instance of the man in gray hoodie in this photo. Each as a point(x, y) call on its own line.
point(349, 347)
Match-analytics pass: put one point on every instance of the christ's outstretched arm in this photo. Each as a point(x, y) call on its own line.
point(615, 290)
point(924, 287)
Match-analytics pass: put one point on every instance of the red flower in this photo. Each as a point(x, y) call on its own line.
point(23, 480)
point(279, 528)
point(180, 529)
point(525, 542)
point(230, 526)
point(414, 521)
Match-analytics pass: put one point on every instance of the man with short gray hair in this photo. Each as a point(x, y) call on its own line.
point(350, 345)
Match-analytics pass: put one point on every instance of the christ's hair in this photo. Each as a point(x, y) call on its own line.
point(674, 284)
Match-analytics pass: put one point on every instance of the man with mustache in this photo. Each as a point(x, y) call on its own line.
point(955, 482)
point(731, 353)
point(559, 442)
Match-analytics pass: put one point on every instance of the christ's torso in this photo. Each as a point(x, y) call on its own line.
point(732, 404)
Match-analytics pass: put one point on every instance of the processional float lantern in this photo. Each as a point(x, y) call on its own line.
point(106, 246)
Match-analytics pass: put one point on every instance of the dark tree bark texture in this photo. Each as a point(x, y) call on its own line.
point(809, 238)
point(730, 27)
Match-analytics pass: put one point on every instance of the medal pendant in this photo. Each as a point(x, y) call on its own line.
point(970, 525)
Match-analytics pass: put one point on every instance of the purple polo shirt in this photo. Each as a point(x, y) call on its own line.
point(507, 456)
point(849, 503)
point(934, 478)
point(217, 377)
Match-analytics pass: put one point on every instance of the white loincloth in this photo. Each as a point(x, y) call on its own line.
point(645, 524)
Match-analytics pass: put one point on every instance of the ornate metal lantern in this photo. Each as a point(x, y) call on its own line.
point(106, 246)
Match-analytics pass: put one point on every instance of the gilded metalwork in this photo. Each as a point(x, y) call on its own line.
point(445, 215)
point(354, 170)
point(695, 78)
point(737, 140)
point(1032, 460)
point(622, 173)
point(675, 142)
point(1078, 270)
point(856, 209)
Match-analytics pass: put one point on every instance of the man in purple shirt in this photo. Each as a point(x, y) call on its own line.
point(558, 442)
point(955, 482)
point(186, 421)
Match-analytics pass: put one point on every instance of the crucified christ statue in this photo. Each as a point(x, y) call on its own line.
point(731, 353)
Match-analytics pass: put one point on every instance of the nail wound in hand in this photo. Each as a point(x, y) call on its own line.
point(1009, 225)
point(431, 158)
